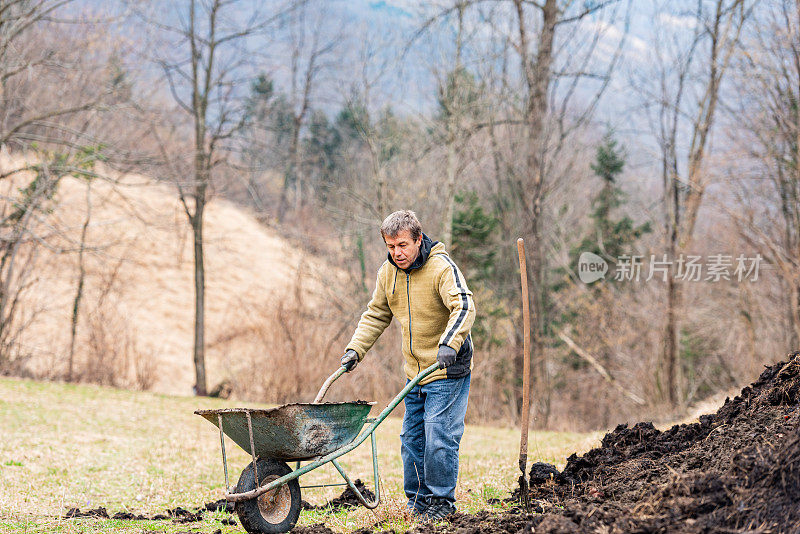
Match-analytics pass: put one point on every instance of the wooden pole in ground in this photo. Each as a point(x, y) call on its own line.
point(526, 372)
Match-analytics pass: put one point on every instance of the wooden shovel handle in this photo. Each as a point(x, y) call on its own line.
point(526, 359)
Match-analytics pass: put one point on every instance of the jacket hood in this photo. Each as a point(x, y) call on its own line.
point(425, 250)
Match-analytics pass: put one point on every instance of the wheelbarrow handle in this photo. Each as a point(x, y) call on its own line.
point(324, 389)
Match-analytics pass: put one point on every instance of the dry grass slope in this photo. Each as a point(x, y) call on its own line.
point(141, 258)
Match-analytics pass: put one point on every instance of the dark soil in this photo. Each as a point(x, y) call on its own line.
point(76, 513)
point(737, 470)
point(313, 529)
point(183, 515)
point(178, 514)
point(222, 505)
point(346, 499)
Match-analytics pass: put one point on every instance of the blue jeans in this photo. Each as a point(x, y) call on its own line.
point(432, 430)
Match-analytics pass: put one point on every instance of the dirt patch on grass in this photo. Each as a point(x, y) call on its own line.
point(314, 529)
point(178, 514)
point(737, 470)
point(345, 500)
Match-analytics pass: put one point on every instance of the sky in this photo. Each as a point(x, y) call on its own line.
point(405, 64)
point(390, 30)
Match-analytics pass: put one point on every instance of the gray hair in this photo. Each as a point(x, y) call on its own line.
point(399, 221)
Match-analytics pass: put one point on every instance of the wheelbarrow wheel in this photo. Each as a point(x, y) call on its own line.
point(274, 511)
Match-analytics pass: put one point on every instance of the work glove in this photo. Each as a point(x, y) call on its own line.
point(446, 356)
point(350, 360)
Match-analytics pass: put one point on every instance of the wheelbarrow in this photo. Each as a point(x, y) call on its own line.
point(267, 495)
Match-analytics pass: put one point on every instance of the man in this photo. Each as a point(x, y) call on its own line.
point(422, 287)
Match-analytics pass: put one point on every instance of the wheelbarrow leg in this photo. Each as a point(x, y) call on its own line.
point(224, 458)
point(252, 448)
point(368, 504)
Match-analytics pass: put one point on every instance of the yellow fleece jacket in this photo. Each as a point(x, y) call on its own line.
point(434, 306)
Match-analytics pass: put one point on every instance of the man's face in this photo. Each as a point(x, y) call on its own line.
point(403, 249)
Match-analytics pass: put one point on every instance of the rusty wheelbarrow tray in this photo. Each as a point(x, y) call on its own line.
point(292, 432)
point(318, 432)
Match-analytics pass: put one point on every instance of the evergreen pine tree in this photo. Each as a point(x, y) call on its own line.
point(610, 237)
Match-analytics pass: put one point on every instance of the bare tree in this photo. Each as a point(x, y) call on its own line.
point(76, 302)
point(710, 49)
point(768, 78)
point(308, 61)
point(19, 231)
point(203, 66)
point(375, 130)
point(36, 60)
point(451, 100)
point(18, 20)
point(546, 124)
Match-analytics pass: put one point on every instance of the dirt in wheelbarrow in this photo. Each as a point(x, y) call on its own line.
point(737, 470)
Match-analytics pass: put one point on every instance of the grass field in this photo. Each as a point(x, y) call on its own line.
point(66, 446)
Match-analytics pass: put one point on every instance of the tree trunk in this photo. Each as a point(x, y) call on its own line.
point(450, 193)
point(283, 200)
point(791, 209)
point(669, 367)
point(202, 177)
point(379, 178)
point(723, 30)
point(299, 201)
point(76, 303)
point(541, 379)
point(199, 309)
point(455, 104)
point(362, 262)
point(794, 307)
point(202, 174)
point(11, 274)
point(745, 311)
point(666, 371)
point(290, 177)
point(538, 77)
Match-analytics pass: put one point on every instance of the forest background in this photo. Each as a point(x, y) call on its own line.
point(190, 193)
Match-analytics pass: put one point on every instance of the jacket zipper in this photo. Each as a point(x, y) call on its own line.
point(408, 299)
point(410, 332)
